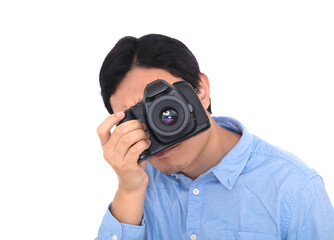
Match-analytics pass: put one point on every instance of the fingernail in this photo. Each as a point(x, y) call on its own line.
point(119, 114)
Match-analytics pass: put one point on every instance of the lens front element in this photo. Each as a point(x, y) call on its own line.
point(168, 116)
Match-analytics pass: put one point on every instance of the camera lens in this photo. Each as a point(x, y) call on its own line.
point(168, 116)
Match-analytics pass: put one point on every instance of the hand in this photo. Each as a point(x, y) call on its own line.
point(121, 149)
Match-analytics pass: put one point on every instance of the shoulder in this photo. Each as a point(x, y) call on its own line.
point(272, 171)
point(278, 178)
point(275, 162)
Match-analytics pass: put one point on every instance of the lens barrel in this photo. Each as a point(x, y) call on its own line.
point(168, 116)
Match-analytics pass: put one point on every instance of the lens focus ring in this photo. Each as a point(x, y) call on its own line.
point(168, 116)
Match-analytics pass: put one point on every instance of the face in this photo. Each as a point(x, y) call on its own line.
point(182, 157)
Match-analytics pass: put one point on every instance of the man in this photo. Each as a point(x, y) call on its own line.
point(223, 183)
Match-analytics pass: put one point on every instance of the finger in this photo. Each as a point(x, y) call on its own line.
point(128, 140)
point(137, 149)
point(123, 129)
point(104, 128)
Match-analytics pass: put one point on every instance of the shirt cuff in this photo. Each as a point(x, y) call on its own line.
point(112, 229)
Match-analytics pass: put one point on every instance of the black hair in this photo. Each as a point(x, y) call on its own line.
point(150, 51)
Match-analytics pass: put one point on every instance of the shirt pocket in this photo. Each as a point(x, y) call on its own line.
point(235, 235)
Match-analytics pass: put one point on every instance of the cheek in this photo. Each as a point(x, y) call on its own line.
point(183, 155)
point(188, 150)
point(192, 146)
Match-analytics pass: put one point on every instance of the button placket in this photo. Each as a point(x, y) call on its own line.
point(195, 201)
point(196, 191)
point(193, 237)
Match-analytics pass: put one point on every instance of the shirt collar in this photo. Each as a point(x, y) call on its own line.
point(232, 164)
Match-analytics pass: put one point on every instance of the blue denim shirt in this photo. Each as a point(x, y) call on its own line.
point(257, 191)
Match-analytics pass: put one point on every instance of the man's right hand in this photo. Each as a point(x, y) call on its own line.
point(121, 149)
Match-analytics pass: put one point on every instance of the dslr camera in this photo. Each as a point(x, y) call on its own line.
point(172, 113)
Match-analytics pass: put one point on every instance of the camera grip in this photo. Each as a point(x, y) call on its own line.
point(134, 113)
point(128, 116)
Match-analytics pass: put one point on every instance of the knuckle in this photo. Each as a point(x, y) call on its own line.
point(142, 135)
point(139, 147)
point(119, 130)
point(139, 124)
point(106, 155)
point(134, 149)
point(99, 130)
point(125, 140)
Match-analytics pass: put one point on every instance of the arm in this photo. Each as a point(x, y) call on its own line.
point(121, 150)
point(313, 215)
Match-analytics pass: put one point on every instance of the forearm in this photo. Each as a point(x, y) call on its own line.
point(127, 206)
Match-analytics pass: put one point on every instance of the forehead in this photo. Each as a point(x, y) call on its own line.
point(131, 89)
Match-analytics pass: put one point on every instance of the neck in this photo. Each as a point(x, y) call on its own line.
point(218, 142)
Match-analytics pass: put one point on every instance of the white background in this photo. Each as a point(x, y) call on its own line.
point(270, 65)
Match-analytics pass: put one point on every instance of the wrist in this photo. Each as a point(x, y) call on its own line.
point(126, 192)
point(130, 186)
point(127, 206)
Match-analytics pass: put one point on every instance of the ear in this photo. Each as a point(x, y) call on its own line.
point(203, 90)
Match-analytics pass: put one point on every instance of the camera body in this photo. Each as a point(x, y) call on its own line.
point(172, 113)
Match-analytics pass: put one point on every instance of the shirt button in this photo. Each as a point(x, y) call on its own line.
point(193, 237)
point(195, 191)
point(114, 237)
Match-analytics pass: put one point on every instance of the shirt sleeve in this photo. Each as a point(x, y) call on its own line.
point(313, 215)
point(112, 229)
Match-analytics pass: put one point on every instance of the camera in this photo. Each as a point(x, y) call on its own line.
point(172, 113)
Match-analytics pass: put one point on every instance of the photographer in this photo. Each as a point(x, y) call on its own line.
point(220, 183)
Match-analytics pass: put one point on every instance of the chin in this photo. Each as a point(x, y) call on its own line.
point(170, 161)
point(170, 169)
point(167, 164)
